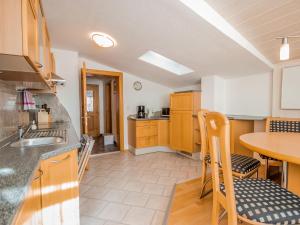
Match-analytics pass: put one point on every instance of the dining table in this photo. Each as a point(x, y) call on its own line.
point(281, 146)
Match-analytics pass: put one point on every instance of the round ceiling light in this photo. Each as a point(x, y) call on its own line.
point(103, 40)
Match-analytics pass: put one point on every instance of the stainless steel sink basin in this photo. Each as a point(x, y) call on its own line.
point(31, 142)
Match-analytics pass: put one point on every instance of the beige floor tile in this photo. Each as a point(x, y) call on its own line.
point(168, 190)
point(86, 179)
point(92, 207)
point(115, 195)
point(156, 189)
point(162, 172)
point(99, 181)
point(134, 186)
point(136, 199)
point(96, 192)
point(86, 220)
point(158, 203)
point(113, 223)
point(83, 188)
point(150, 178)
point(167, 180)
point(114, 212)
point(139, 216)
point(117, 183)
point(159, 218)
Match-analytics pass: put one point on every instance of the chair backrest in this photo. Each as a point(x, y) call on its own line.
point(203, 132)
point(277, 124)
point(218, 130)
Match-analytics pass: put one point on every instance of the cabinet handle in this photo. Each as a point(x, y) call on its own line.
point(41, 174)
point(38, 65)
point(58, 161)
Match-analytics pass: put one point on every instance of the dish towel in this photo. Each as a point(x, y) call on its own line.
point(25, 101)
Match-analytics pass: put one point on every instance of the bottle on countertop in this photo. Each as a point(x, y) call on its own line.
point(33, 125)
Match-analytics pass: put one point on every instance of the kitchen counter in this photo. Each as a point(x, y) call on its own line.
point(17, 167)
point(149, 118)
point(245, 117)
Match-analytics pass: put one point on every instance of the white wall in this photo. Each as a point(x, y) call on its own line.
point(250, 95)
point(276, 104)
point(213, 93)
point(152, 95)
point(101, 102)
point(66, 63)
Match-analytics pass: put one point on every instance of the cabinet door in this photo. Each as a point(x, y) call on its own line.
point(181, 101)
point(163, 133)
point(31, 210)
point(60, 190)
point(181, 130)
point(29, 23)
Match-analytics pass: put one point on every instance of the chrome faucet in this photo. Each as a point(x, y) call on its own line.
point(22, 132)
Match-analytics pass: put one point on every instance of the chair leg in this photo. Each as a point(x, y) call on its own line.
point(267, 169)
point(215, 211)
point(204, 179)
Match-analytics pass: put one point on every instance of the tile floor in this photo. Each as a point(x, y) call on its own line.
point(100, 148)
point(122, 189)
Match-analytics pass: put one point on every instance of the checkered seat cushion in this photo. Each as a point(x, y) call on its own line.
point(240, 163)
point(265, 202)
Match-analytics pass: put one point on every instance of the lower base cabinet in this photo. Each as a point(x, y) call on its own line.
point(53, 198)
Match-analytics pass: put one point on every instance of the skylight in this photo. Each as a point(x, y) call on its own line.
point(165, 63)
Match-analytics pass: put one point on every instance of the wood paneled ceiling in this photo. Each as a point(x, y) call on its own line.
point(261, 21)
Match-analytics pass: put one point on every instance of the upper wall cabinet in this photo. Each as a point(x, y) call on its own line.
point(24, 42)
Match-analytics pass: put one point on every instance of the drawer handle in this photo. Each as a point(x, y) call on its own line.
point(38, 65)
point(59, 161)
point(41, 174)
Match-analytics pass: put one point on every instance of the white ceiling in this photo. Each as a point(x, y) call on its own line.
point(261, 21)
point(164, 26)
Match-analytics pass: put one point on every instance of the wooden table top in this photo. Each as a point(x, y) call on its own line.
point(282, 146)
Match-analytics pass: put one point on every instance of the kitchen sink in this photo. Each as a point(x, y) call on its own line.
point(31, 142)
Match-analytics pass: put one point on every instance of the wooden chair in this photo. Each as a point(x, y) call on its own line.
point(277, 124)
point(254, 201)
point(242, 166)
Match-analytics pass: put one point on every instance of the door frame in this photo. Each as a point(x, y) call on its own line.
point(119, 77)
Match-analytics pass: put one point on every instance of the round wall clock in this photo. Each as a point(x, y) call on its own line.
point(137, 85)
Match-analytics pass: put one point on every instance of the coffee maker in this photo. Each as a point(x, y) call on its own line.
point(141, 111)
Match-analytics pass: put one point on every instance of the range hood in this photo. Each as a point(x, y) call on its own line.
point(57, 80)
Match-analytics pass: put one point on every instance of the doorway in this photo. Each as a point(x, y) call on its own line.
point(102, 109)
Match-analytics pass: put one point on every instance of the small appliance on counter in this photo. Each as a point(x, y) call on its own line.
point(141, 112)
point(165, 112)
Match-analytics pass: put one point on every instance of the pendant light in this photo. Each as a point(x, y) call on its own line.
point(284, 49)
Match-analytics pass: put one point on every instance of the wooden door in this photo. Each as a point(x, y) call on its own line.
point(108, 122)
point(60, 196)
point(30, 25)
point(181, 130)
point(31, 210)
point(92, 100)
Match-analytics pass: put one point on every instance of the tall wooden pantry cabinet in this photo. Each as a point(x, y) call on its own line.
point(184, 127)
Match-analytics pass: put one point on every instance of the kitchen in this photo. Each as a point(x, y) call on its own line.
point(49, 53)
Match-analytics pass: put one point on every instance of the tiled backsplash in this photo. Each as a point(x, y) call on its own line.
point(9, 116)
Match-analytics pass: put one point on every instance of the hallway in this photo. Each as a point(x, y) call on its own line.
point(100, 148)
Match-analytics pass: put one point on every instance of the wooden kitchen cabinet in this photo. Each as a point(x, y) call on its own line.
point(148, 133)
point(25, 47)
point(31, 210)
point(184, 128)
point(60, 196)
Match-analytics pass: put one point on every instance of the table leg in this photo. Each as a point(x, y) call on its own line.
point(284, 174)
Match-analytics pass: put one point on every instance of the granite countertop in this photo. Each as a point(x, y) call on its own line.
point(149, 118)
point(17, 167)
